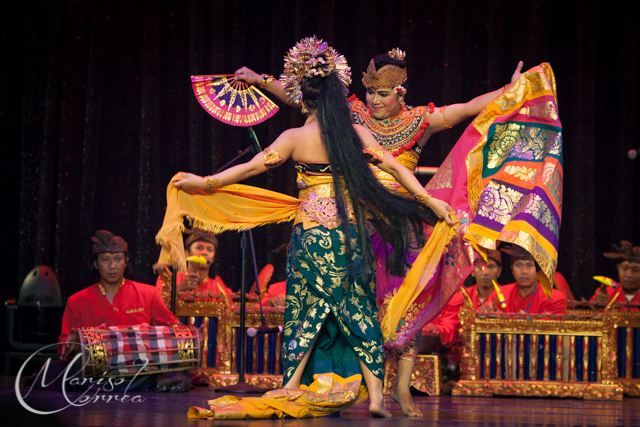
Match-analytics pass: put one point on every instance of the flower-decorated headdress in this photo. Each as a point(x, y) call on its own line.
point(308, 58)
point(387, 76)
point(625, 252)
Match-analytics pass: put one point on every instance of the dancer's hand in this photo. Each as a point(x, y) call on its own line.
point(517, 73)
point(441, 209)
point(188, 181)
point(246, 75)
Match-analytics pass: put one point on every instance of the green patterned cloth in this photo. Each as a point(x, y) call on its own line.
point(327, 305)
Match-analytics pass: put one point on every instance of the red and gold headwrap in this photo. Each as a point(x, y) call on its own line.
point(308, 58)
point(625, 252)
point(196, 234)
point(105, 241)
point(387, 76)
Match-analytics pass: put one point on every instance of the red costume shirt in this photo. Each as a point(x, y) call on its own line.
point(622, 299)
point(135, 303)
point(536, 302)
point(447, 322)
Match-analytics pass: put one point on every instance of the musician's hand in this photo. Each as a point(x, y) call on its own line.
point(190, 283)
point(246, 75)
point(488, 306)
point(188, 181)
point(602, 296)
point(73, 346)
point(276, 301)
point(201, 334)
point(430, 329)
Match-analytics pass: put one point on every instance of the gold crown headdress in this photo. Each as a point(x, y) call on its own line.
point(387, 76)
point(312, 57)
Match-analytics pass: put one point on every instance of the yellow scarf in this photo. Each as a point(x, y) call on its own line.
point(233, 207)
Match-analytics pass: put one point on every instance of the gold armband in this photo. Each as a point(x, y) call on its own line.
point(444, 121)
point(272, 158)
point(212, 182)
point(266, 81)
point(376, 153)
point(422, 198)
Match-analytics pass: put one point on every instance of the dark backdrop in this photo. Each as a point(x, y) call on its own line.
point(97, 112)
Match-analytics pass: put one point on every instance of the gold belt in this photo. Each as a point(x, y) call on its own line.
point(319, 207)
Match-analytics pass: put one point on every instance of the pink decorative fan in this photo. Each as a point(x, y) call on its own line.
point(231, 101)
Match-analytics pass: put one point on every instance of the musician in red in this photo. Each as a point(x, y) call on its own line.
point(443, 330)
point(628, 258)
point(195, 283)
point(114, 300)
point(526, 295)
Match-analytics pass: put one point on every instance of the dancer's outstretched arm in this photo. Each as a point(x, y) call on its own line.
point(404, 176)
point(283, 146)
point(457, 113)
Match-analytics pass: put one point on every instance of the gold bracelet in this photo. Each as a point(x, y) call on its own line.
point(506, 87)
point(422, 198)
point(212, 182)
point(444, 122)
point(266, 81)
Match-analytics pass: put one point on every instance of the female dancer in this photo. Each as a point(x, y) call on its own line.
point(331, 315)
point(403, 131)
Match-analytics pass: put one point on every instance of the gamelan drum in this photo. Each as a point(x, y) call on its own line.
point(120, 351)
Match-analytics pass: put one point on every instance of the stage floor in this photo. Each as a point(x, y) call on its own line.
point(171, 410)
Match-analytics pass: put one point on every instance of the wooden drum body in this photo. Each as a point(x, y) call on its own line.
point(119, 351)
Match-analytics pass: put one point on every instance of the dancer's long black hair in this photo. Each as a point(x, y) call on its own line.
point(397, 219)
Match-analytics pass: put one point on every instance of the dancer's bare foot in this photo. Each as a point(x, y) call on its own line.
point(405, 400)
point(379, 411)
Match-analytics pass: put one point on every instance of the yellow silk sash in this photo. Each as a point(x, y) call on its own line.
point(328, 394)
point(233, 207)
point(417, 278)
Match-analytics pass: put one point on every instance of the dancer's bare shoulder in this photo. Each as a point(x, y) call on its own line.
point(307, 142)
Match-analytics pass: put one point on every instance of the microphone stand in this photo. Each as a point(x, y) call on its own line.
point(242, 386)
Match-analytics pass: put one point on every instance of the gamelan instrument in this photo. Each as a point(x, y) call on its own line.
point(120, 351)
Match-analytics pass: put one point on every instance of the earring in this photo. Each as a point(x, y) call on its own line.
point(402, 101)
point(305, 110)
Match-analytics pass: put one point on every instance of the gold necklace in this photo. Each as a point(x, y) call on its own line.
point(102, 287)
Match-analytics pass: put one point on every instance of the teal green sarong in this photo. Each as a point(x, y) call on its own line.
point(327, 305)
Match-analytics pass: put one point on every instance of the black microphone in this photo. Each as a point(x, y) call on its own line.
point(254, 137)
point(632, 154)
point(252, 332)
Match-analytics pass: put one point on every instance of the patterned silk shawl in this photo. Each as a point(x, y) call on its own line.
point(503, 179)
point(505, 172)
